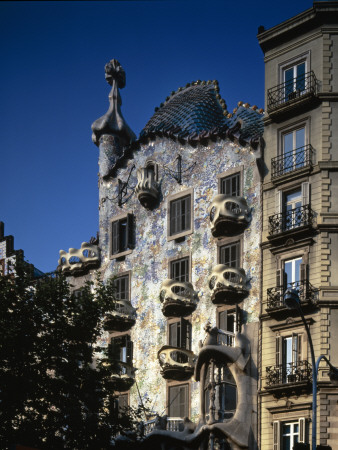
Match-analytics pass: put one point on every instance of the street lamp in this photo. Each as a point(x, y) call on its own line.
point(292, 301)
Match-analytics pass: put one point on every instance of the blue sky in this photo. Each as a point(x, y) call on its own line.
point(52, 88)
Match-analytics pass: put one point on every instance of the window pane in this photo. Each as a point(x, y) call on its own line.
point(300, 82)
point(123, 235)
point(231, 185)
point(180, 215)
point(288, 142)
point(122, 287)
point(179, 270)
point(229, 255)
point(300, 137)
point(178, 401)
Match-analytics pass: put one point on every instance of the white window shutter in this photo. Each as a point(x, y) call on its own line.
point(279, 202)
point(276, 435)
point(302, 424)
point(305, 193)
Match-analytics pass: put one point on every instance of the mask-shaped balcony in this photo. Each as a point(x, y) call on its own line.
point(147, 189)
point(176, 363)
point(122, 375)
point(178, 298)
point(121, 318)
point(228, 215)
point(227, 285)
point(78, 261)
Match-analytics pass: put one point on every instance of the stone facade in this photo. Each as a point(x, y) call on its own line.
point(299, 225)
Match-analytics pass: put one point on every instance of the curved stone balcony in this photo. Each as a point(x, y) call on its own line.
point(122, 375)
point(147, 189)
point(228, 215)
point(77, 261)
point(227, 284)
point(176, 363)
point(178, 298)
point(122, 318)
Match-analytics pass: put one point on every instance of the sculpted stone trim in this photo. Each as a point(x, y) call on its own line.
point(227, 284)
point(178, 297)
point(228, 215)
point(78, 260)
point(122, 318)
point(176, 363)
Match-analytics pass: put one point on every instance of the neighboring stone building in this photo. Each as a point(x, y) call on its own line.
point(300, 225)
point(9, 256)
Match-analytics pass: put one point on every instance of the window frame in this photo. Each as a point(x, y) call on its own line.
point(172, 385)
point(172, 261)
point(177, 321)
point(126, 274)
point(231, 173)
point(127, 335)
point(129, 231)
point(175, 197)
point(293, 62)
point(285, 418)
point(230, 241)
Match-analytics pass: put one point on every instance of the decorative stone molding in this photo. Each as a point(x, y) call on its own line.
point(228, 215)
point(179, 298)
point(122, 318)
point(77, 261)
point(147, 189)
point(227, 284)
point(176, 363)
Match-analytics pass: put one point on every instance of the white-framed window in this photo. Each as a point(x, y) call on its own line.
point(287, 434)
point(293, 207)
point(294, 149)
point(289, 358)
point(293, 75)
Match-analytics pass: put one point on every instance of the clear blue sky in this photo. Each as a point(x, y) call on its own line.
point(52, 88)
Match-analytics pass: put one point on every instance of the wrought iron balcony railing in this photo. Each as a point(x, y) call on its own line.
point(164, 423)
point(298, 372)
point(291, 161)
point(292, 90)
point(290, 220)
point(306, 292)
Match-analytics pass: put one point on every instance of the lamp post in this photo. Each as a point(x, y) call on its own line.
point(292, 301)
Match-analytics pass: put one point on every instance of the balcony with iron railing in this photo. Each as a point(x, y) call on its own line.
point(296, 221)
point(298, 160)
point(308, 296)
point(292, 95)
point(289, 377)
point(176, 363)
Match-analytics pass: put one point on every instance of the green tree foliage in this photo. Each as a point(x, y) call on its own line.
point(52, 396)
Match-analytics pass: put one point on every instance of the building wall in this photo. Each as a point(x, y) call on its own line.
point(319, 43)
point(148, 262)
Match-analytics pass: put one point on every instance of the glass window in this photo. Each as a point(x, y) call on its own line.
point(229, 254)
point(180, 334)
point(180, 215)
point(292, 271)
point(294, 151)
point(179, 269)
point(293, 209)
point(122, 287)
point(290, 433)
point(231, 185)
point(122, 234)
point(294, 79)
point(178, 401)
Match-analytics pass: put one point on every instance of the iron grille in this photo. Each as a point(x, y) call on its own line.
point(289, 220)
point(288, 373)
point(291, 161)
point(290, 91)
point(305, 290)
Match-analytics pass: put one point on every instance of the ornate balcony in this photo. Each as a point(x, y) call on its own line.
point(227, 284)
point(290, 378)
point(293, 95)
point(297, 221)
point(228, 215)
point(176, 363)
point(78, 261)
point(121, 318)
point(164, 423)
point(298, 160)
point(275, 302)
point(147, 189)
point(178, 298)
point(122, 375)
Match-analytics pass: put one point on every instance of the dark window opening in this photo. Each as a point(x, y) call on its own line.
point(122, 235)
